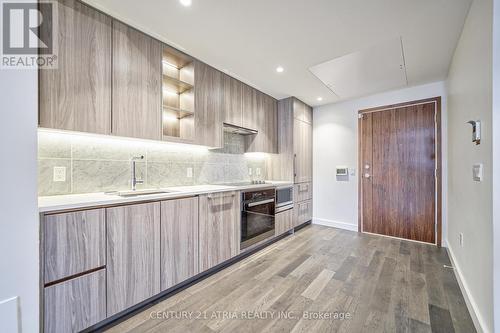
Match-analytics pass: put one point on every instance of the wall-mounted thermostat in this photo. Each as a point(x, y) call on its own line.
point(342, 171)
point(477, 172)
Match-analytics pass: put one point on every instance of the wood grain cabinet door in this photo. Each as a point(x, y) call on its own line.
point(263, 118)
point(76, 95)
point(249, 107)
point(136, 84)
point(133, 255)
point(232, 105)
point(179, 241)
point(219, 228)
point(302, 143)
point(208, 106)
point(74, 305)
point(73, 243)
point(284, 222)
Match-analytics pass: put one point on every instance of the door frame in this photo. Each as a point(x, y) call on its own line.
point(439, 162)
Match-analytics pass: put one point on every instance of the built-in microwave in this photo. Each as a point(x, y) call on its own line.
point(284, 198)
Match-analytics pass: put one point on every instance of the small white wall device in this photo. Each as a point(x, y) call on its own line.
point(342, 171)
point(477, 172)
point(476, 131)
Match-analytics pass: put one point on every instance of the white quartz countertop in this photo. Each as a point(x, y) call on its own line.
point(78, 201)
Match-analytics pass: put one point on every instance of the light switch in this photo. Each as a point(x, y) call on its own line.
point(189, 172)
point(59, 174)
point(249, 171)
point(477, 172)
point(257, 171)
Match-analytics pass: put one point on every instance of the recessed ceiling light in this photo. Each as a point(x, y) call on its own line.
point(185, 3)
point(279, 69)
point(319, 99)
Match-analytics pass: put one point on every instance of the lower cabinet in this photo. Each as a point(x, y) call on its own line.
point(302, 212)
point(179, 241)
point(219, 228)
point(283, 222)
point(75, 304)
point(133, 255)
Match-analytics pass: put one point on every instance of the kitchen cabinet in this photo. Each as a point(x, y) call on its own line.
point(284, 222)
point(73, 243)
point(76, 95)
point(136, 94)
point(219, 232)
point(249, 107)
point(232, 105)
point(208, 106)
point(263, 118)
point(74, 305)
point(133, 255)
point(303, 192)
point(302, 111)
point(179, 241)
point(302, 212)
point(302, 143)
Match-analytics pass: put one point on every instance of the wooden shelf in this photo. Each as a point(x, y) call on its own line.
point(176, 85)
point(180, 112)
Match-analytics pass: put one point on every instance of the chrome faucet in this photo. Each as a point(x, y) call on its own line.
point(134, 181)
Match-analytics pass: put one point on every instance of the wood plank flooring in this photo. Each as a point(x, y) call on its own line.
point(320, 280)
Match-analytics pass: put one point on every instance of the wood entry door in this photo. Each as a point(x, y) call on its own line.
point(398, 170)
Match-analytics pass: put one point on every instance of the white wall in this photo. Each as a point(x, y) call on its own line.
point(470, 203)
point(335, 136)
point(18, 200)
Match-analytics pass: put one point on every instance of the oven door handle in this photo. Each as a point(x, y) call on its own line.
point(260, 214)
point(258, 203)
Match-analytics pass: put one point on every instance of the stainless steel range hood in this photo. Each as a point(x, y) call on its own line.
point(238, 130)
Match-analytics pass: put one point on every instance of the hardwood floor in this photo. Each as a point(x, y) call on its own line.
point(380, 284)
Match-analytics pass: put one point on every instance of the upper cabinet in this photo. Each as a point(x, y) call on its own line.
point(77, 95)
point(178, 112)
point(136, 84)
point(263, 117)
point(208, 106)
point(232, 105)
point(302, 111)
point(113, 79)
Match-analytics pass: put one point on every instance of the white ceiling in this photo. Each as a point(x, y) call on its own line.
point(249, 39)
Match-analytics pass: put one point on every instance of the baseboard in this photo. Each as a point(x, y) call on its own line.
point(335, 224)
point(469, 301)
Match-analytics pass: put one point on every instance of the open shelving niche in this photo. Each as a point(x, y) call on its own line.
point(178, 113)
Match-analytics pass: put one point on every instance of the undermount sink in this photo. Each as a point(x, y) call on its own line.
point(139, 192)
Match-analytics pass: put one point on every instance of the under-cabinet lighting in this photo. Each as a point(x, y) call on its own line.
point(169, 64)
point(118, 141)
point(169, 118)
point(169, 92)
point(185, 3)
point(280, 69)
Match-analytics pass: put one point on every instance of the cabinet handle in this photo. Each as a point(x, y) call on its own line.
point(294, 167)
point(210, 197)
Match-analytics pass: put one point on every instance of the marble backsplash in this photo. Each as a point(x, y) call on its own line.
point(99, 164)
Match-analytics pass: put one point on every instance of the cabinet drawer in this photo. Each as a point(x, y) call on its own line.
point(302, 192)
point(284, 222)
point(76, 304)
point(73, 243)
point(302, 212)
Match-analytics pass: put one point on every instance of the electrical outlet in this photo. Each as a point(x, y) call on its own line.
point(257, 171)
point(461, 239)
point(189, 172)
point(249, 171)
point(59, 174)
